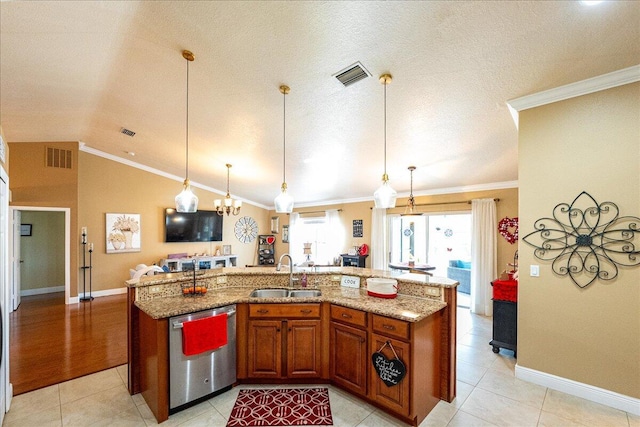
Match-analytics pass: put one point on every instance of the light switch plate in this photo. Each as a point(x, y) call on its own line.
point(534, 270)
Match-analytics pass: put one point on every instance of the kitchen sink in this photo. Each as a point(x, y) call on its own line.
point(269, 293)
point(305, 293)
point(283, 293)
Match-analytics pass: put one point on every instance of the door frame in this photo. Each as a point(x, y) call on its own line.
point(67, 244)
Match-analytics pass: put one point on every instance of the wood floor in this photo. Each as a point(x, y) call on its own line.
point(51, 342)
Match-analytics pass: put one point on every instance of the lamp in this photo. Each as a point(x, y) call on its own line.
point(385, 196)
point(186, 201)
point(410, 209)
point(230, 206)
point(284, 201)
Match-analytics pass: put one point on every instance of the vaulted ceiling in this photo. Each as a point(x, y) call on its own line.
point(81, 71)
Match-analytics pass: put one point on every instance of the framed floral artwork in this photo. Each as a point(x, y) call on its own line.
point(123, 233)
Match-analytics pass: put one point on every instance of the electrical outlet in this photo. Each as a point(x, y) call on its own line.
point(154, 289)
point(221, 280)
point(335, 278)
point(433, 291)
point(534, 270)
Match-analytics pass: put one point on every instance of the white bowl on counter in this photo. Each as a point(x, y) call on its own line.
point(382, 288)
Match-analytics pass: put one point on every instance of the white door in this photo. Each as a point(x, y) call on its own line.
point(5, 389)
point(16, 261)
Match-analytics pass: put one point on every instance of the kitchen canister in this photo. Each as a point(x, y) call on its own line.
point(382, 288)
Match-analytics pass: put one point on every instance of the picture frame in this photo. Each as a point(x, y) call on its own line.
point(123, 232)
point(275, 224)
point(25, 229)
point(226, 249)
point(285, 234)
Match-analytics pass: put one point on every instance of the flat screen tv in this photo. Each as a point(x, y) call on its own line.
point(200, 226)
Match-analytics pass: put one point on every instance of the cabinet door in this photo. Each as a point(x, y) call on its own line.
point(349, 357)
point(397, 396)
point(303, 348)
point(265, 349)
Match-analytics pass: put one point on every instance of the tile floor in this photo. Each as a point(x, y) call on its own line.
point(488, 395)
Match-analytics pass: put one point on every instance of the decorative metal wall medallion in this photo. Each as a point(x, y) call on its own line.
point(586, 240)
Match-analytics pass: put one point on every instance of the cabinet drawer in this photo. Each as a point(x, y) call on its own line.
point(284, 310)
point(391, 327)
point(349, 315)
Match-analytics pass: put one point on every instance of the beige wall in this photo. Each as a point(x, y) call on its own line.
point(32, 184)
point(507, 206)
point(42, 253)
point(106, 186)
point(590, 143)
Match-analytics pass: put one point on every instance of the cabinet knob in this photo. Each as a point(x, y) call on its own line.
point(346, 316)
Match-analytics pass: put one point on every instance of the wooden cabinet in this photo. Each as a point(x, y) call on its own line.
point(348, 352)
point(284, 341)
point(396, 397)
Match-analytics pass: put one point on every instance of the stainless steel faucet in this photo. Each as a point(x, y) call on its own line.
point(279, 266)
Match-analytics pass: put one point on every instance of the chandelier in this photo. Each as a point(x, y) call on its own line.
point(228, 206)
point(410, 210)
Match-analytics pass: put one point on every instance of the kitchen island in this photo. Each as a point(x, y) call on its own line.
point(318, 334)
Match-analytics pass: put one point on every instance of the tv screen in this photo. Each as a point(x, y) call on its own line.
point(200, 226)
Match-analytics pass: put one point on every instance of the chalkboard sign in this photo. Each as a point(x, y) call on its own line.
point(390, 371)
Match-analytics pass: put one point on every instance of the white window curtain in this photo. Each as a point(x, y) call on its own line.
point(335, 231)
point(295, 239)
point(483, 255)
point(379, 247)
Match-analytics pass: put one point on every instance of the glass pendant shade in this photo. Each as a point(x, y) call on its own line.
point(385, 196)
point(186, 201)
point(284, 201)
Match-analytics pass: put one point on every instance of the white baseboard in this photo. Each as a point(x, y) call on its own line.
point(98, 294)
point(595, 394)
point(39, 291)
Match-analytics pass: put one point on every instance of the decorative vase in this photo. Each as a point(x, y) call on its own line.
point(128, 235)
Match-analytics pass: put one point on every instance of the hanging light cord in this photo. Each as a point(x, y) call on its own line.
point(411, 192)
point(228, 169)
point(187, 130)
point(284, 136)
point(385, 128)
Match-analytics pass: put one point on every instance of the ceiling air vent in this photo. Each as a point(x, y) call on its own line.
point(58, 158)
point(127, 132)
point(352, 74)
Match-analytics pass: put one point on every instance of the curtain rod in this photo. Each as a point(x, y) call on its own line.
point(314, 212)
point(449, 203)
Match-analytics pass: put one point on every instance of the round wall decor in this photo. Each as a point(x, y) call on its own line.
point(246, 229)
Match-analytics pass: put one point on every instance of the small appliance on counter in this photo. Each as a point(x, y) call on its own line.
point(382, 288)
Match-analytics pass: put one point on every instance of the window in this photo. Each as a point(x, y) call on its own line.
point(325, 234)
point(432, 239)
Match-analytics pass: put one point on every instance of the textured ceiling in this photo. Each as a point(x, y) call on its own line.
point(80, 71)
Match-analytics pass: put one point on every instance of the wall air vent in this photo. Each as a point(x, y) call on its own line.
point(352, 74)
point(58, 158)
point(127, 132)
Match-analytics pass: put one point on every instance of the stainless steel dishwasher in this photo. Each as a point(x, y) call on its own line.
point(197, 376)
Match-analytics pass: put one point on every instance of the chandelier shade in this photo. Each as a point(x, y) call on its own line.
point(385, 196)
point(284, 201)
point(186, 201)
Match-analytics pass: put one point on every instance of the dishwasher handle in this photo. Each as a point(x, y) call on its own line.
point(178, 325)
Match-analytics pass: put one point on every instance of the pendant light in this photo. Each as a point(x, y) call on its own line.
point(284, 201)
point(186, 201)
point(385, 196)
point(230, 206)
point(410, 210)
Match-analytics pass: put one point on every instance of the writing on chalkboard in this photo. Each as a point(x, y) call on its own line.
point(390, 371)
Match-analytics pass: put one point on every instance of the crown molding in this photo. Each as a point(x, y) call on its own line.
point(572, 90)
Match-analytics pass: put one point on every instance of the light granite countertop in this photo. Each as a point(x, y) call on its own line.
point(404, 307)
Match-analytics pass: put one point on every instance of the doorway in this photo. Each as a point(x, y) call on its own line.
point(53, 224)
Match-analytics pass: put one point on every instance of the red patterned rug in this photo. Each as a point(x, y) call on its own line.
point(282, 407)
